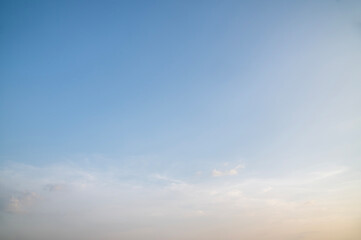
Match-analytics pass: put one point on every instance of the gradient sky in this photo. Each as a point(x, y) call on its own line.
point(201, 120)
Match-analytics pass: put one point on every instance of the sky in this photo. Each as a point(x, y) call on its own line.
point(180, 120)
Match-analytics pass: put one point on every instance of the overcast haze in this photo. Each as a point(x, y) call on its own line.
point(209, 120)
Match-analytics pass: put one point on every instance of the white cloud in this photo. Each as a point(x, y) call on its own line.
point(167, 179)
point(330, 173)
point(231, 172)
point(216, 173)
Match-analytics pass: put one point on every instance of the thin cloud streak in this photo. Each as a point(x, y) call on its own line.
point(231, 172)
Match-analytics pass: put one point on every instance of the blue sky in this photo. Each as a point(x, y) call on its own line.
point(180, 114)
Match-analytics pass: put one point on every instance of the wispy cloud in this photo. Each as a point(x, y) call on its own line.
point(113, 201)
point(20, 202)
point(54, 187)
point(231, 172)
point(167, 179)
point(331, 173)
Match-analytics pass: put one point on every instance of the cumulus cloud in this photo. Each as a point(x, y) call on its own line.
point(231, 172)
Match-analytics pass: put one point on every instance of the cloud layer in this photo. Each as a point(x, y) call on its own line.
point(91, 204)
